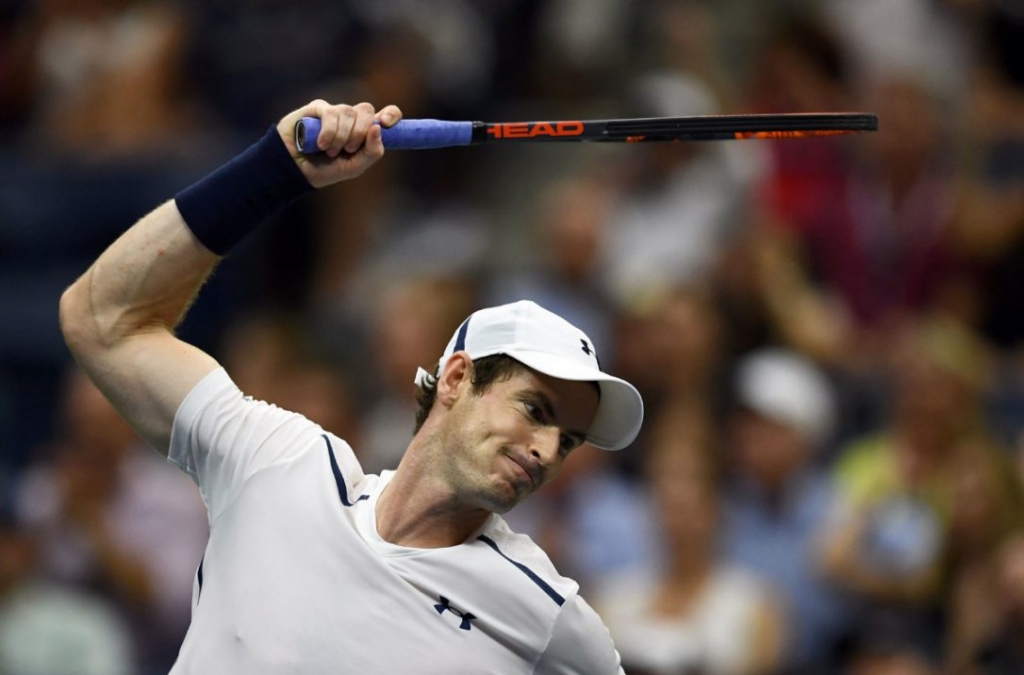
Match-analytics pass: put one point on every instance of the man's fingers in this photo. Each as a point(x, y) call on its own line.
point(364, 117)
point(342, 127)
point(388, 115)
point(328, 129)
point(374, 145)
point(346, 118)
point(320, 109)
point(350, 140)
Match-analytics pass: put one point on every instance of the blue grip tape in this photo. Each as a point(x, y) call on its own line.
point(426, 134)
point(404, 135)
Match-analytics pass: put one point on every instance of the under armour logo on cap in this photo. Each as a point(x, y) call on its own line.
point(586, 347)
point(445, 605)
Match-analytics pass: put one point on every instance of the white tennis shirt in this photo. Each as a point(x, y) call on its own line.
point(296, 579)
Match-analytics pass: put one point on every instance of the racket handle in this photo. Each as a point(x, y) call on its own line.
point(421, 134)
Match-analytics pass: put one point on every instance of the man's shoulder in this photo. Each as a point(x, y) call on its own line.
point(522, 563)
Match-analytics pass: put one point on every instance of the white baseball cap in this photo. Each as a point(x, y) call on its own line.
point(547, 343)
point(787, 387)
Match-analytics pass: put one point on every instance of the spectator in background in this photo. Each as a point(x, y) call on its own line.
point(584, 45)
point(772, 283)
point(889, 543)
point(570, 230)
point(112, 517)
point(316, 389)
point(930, 41)
point(96, 95)
point(242, 67)
point(882, 649)
point(988, 512)
point(48, 628)
point(898, 215)
point(412, 324)
point(107, 77)
point(261, 348)
point(413, 217)
point(1002, 650)
point(270, 356)
point(680, 203)
point(693, 612)
point(674, 345)
point(777, 501)
point(989, 227)
point(16, 46)
point(862, 234)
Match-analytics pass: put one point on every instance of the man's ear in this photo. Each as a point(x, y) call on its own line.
point(455, 377)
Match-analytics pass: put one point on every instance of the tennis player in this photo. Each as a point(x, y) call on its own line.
point(312, 565)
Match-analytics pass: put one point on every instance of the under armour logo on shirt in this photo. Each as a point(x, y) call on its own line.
point(445, 604)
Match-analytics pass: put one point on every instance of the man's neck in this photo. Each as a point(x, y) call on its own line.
point(417, 510)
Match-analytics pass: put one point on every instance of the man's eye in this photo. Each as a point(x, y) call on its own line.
point(535, 412)
point(567, 443)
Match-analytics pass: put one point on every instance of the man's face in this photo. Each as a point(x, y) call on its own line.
point(767, 450)
point(504, 443)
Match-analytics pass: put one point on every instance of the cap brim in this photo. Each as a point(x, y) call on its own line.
point(620, 412)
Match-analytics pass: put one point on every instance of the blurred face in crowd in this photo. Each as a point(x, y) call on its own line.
point(572, 223)
point(987, 499)
point(683, 485)
point(686, 339)
point(1011, 576)
point(92, 423)
point(414, 321)
point(934, 402)
point(898, 663)
point(767, 451)
point(909, 137)
point(17, 554)
point(94, 441)
point(926, 394)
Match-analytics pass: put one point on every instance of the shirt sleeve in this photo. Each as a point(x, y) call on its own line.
point(580, 644)
point(221, 438)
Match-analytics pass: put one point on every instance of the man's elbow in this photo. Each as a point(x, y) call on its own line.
point(76, 321)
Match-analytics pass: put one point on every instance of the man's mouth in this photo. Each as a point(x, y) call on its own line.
point(526, 468)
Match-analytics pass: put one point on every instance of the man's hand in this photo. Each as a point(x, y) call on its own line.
point(349, 139)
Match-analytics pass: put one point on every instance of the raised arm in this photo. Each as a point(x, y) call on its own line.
point(119, 317)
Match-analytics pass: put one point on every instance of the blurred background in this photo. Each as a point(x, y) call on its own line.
point(827, 333)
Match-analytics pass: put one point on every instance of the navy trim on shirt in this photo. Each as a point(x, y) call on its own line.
point(342, 490)
point(552, 593)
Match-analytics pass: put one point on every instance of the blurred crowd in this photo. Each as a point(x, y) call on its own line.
point(828, 333)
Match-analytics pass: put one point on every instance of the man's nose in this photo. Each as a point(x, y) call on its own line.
point(544, 445)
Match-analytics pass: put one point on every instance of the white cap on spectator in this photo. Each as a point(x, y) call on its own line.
point(788, 388)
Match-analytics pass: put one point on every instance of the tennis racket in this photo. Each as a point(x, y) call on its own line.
point(423, 134)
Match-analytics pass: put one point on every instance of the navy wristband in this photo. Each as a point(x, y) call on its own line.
point(222, 208)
